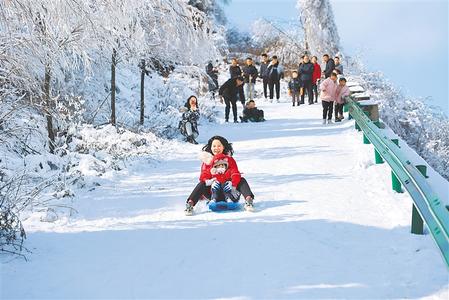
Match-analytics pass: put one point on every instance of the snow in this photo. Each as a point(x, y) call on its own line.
point(327, 225)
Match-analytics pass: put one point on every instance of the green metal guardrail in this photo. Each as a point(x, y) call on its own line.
point(426, 204)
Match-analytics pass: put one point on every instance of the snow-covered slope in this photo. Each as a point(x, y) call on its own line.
point(327, 225)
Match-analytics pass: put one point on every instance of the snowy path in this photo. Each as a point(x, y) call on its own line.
point(326, 226)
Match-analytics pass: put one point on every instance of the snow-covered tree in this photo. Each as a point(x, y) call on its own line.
point(286, 44)
point(320, 31)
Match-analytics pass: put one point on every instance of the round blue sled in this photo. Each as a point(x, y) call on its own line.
point(222, 206)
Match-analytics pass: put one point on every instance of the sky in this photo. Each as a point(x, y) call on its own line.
point(407, 40)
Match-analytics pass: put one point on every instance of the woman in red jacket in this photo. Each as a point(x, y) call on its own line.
point(215, 146)
point(315, 76)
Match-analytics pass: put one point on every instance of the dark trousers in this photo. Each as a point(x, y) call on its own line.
point(228, 103)
point(265, 86)
point(338, 109)
point(272, 85)
point(315, 92)
point(241, 95)
point(327, 109)
point(202, 190)
point(295, 98)
point(307, 84)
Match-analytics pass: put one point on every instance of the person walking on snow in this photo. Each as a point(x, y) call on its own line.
point(188, 125)
point(330, 66)
point(250, 75)
point(264, 74)
point(306, 73)
point(328, 89)
point(294, 88)
point(235, 71)
point(275, 73)
point(341, 92)
point(218, 145)
point(315, 77)
point(228, 92)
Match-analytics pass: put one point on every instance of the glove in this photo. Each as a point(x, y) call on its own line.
point(227, 188)
point(216, 186)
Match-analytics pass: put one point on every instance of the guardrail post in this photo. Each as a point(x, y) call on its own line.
point(377, 157)
point(417, 221)
point(423, 170)
point(345, 108)
point(396, 141)
point(365, 139)
point(357, 126)
point(395, 183)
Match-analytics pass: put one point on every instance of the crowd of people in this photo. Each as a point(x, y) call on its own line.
point(220, 179)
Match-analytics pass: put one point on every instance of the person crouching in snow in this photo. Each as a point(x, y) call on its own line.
point(341, 92)
point(295, 88)
point(328, 88)
point(252, 113)
point(221, 183)
point(189, 123)
point(218, 145)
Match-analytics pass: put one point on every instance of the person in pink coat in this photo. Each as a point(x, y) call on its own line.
point(341, 92)
point(328, 89)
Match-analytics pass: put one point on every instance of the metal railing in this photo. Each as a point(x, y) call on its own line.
point(427, 206)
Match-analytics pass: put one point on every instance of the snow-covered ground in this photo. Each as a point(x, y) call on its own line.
point(327, 225)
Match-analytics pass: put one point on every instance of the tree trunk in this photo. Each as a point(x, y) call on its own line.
point(142, 92)
point(48, 107)
point(113, 64)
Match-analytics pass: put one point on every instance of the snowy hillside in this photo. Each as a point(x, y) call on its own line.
point(327, 225)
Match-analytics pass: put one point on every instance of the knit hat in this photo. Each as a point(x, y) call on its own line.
point(219, 159)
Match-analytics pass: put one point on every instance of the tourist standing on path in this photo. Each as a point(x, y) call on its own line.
point(228, 91)
point(328, 89)
point(330, 66)
point(249, 75)
point(341, 92)
point(212, 72)
point(275, 73)
point(315, 77)
point(338, 66)
point(306, 73)
point(294, 88)
point(235, 71)
point(264, 74)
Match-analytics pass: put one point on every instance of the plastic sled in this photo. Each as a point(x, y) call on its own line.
point(222, 206)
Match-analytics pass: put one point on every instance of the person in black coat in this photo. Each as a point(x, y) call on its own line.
point(306, 71)
point(252, 113)
point(330, 65)
point(249, 75)
point(235, 71)
point(275, 73)
point(228, 91)
point(264, 74)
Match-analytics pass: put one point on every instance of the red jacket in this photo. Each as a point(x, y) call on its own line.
point(316, 72)
point(232, 173)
